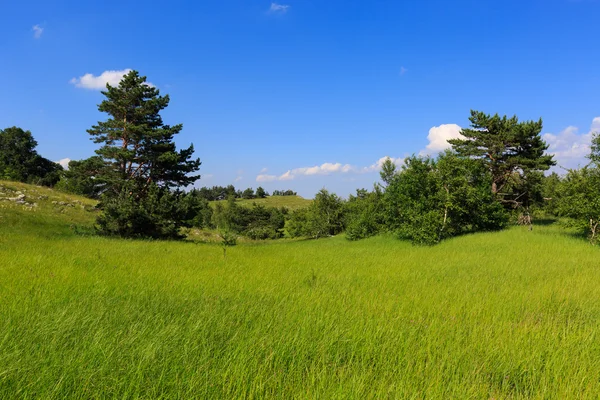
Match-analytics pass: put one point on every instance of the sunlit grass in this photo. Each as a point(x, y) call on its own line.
point(512, 314)
point(290, 202)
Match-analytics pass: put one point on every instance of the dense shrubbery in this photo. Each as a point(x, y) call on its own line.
point(256, 222)
point(432, 199)
point(324, 217)
point(364, 214)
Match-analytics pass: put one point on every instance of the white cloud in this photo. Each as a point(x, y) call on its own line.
point(266, 178)
point(377, 166)
point(279, 8)
point(239, 178)
point(37, 31)
point(570, 147)
point(64, 162)
point(438, 138)
point(326, 169)
point(89, 81)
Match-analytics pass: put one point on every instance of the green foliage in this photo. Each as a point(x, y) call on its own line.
point(550, 193)
point(84, 178)
point(507, 148)
point(257, 222)
point(430, 200)
point(365, 214)
point(19, 161)
point(248, 194)
point(261, 193)
point(284, 193)
point(195, 211)
point(324, 217)
point(141, 166)
point(388, 171)
point(594, 155)
point(159, 214)
point(136, 145)
point(228, 239)
point(579, 199)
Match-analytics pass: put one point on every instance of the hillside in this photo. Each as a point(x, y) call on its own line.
point(39, 210)
point(290, 202)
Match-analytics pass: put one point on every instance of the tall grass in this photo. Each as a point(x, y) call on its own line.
point(513, 314)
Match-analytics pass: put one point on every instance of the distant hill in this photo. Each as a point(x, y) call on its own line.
point(290, 202)
point(36, 209)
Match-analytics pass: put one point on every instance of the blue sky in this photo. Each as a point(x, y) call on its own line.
point(305, 94)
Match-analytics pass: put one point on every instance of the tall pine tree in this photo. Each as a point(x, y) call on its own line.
point(137, 146)
point(141, 165)
point(512, 151)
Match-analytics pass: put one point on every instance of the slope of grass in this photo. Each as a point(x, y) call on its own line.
point(512, 314)
point(290, 202)
point(42, 211)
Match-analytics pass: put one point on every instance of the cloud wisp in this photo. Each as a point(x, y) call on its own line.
point(276, 8)
point(326, 169)
point(37, 31)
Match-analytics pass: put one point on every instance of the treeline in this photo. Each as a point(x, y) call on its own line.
point(493, 176)
point(224, 192)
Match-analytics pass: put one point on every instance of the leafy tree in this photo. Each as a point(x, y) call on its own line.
point(261, 193)
point(84, 177)
point(256, 222)
point(579, 199)
point(594, 155)
point(19, 161)
point(507, 148)
point(388, 170)
point(324, 217)
point(248, 194)
point(365, 214)
point(550, 193)
point(136, 145)
point(432, 199)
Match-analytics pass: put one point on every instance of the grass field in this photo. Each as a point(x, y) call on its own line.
point(290, 202)
point(513, 314)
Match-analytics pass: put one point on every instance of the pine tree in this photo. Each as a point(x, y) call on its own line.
point(510, 150)
point(136, 145)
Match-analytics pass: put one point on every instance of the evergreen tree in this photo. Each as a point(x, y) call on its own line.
point(508, 148)
point(136, 145)
point(261, 193)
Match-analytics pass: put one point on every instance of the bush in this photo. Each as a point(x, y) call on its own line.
point(430, 200)
point(364, 214)
point(158, 215)
point(256, 222)
point(324, 217)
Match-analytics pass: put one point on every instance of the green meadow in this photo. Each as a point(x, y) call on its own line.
point(512, 314)
point(289, 202)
